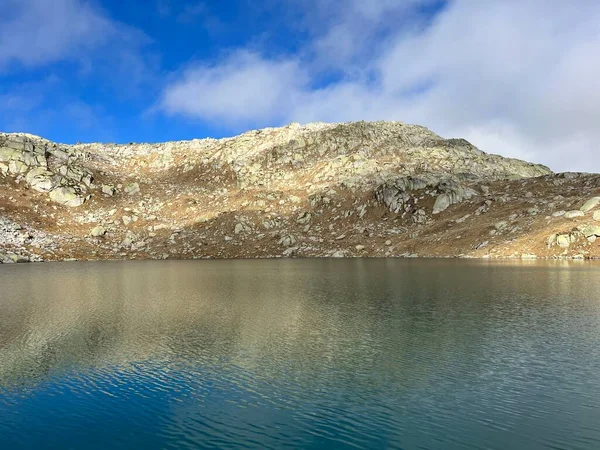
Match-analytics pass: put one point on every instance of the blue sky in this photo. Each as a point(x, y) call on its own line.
point(519, 78)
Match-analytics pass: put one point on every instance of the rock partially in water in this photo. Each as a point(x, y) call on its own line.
point(13, 258)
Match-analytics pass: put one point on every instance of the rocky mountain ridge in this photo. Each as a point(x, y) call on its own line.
point(353, 189)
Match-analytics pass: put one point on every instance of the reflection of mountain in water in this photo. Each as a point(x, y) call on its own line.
point(316, 319)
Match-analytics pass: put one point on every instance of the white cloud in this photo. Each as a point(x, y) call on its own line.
point(35, 33)
point(242, 89)
point(517, 77)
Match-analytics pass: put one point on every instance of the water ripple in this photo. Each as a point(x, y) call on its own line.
point(301, 354)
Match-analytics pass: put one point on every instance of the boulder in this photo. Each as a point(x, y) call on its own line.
point(67, 196)
point(132, 189)
point(589, 230)
point(12, 258)
point(304, 218)
point(442, 203)
point(287, 241)
point(564, 240)
point(108, 189)
point(590, 204)
point(574, 214)
point(501, 226)
point(397, 194)
point(98, 231)
point(5, 259)
point(40, 179)
point(597, 216)
point(453, 193)
point(241, 228)
point(17, 167)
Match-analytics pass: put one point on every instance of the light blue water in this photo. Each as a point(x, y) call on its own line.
point(300, 354)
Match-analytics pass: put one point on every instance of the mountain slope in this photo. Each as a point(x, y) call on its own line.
point(355, 189)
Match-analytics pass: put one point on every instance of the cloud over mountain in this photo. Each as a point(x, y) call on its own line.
point(515, 77)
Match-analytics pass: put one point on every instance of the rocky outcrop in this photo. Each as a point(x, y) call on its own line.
point(334, 190)
point(46, 167)
point(405, 193)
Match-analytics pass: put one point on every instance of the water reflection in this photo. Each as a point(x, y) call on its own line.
point(356, 353)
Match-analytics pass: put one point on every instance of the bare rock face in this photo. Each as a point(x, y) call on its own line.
point(46, 167)
point(356, 189)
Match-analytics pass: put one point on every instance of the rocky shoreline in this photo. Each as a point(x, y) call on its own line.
point(382, 189)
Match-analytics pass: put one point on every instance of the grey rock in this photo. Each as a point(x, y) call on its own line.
point(9, 154)
point(287, 241)
point(13, 258)
point(442, 203)
point(67, 196)
point(290, 252)
point(589, 230)
point(590, 204)
point(108, 189)
point(501, 226)
point(398, 194)
point(574, 214)
point(242, 228)
point(132, 189)
point(482, 245)
point(528, 256)
point(40, 179)
point(17, 167)
point(563, 240)
point(304, 218)
point(98, 231)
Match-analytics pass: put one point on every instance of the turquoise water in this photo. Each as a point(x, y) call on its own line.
point(411, 354)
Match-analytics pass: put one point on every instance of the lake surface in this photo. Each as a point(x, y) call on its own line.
point(412, 354)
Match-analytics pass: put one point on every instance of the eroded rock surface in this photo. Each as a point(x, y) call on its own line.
point(46, 167)
point(332, 190)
